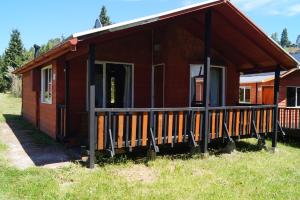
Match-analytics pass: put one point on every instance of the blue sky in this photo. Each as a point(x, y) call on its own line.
point(39, 20)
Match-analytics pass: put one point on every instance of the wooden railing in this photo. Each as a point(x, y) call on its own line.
point(137, 127)
point(289, 118)
point(61, 120)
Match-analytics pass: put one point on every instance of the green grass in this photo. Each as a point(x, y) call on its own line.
point(244, 174)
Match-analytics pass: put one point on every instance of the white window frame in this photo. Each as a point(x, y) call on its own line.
point(296, 98)
point(245, 88)
point(43, 99)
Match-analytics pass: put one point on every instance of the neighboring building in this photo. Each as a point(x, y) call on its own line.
point(259, 89)
point(144, 78)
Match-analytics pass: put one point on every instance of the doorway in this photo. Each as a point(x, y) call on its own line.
point(217, 86)
point(113, 85)
point(158, 86)
point(268, 95)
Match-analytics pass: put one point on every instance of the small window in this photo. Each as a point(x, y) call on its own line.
point(245, 95)
point(293, 97)
point(46, 83)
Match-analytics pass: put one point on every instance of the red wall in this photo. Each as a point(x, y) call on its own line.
point(29, 98)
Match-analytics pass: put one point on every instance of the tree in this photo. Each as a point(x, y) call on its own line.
point(284, 42)
point(104, 18)
point(14, 54)
point(274, 36)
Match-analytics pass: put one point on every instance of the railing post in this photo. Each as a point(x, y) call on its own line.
point(207, 47)
point(91, 76)
point(276, 93)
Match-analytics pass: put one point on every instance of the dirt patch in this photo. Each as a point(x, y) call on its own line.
point(139, 173)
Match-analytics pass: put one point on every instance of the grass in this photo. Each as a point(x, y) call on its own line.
point(244, 174)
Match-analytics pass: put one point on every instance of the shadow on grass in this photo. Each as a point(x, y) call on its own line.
point(41, 149)
point(179, 152)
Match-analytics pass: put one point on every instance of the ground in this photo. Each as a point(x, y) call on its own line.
point(248, 173)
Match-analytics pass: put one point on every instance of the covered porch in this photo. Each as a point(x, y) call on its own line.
point(171, 81)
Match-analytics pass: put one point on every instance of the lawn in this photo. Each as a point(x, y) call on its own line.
point(245, 174)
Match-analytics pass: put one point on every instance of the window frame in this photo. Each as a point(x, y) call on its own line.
point(45, 100)
point(244, 99)
point(296, 97)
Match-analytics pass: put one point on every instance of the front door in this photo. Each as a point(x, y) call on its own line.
point(216, 86)
point(216, 93)
point(268, 95)
point(113, 87)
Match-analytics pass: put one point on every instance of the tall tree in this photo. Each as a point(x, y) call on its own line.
point(14, 54)
point(285, 39)
point(274, 36)
point(103, 17)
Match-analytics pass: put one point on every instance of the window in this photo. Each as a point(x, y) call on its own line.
point(46, 85)
point(196, 85)
point(245, 95)
point(293, 97)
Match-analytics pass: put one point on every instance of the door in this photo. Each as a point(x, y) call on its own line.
point(113, 85)
point(158, 86)
point(216, 86)
point(268, 95)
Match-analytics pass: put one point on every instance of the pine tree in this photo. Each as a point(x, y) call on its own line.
point(274, 36)
point(285, 39)
point(12, 59)
point(104, 18)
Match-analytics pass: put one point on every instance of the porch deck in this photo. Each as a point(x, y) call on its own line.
point(142, 127)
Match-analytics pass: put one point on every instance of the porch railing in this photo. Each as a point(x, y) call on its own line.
point(137, 127)
point(61, 120)
point(289, 118)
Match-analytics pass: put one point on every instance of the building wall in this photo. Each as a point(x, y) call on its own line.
point(291, 80)
point(29, 105)
point(254, 91)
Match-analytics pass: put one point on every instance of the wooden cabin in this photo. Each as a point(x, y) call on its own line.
point(165, 79)
point(259, 89)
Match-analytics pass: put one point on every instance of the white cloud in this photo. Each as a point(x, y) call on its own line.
point(270, 7)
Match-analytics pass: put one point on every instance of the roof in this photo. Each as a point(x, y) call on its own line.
point(296, 56)
point(258, 49)
point(264, 77)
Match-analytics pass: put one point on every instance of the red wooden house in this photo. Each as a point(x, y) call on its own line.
point(165, 79)
point(259, 89)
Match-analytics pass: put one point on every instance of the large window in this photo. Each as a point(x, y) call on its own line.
point(46, 85)
point(293, 97)
point(245, 95)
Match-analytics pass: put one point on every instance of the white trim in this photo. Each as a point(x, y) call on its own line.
point(104, 63)
point(245, 88)
point(152, 83)
point(42, 98)
point(223, 103)
point(140, 21)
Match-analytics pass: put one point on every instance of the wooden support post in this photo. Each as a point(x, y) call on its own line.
point(207, 48)
point(276, 93)
point(91, 76)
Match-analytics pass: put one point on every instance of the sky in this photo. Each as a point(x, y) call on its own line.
point(40, 20)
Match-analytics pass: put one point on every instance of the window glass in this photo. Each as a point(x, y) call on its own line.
point(196, 82)
point(46, 93)
point(247, 95)
point(291, 97)
point(242, 94)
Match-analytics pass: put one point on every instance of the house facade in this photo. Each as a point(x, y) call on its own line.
point(259, 89)
point(166, 79)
